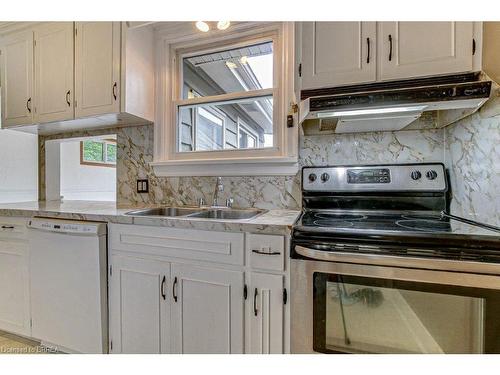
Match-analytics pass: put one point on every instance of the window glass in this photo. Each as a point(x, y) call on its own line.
point(230, 125)
point(234, 70)
point(93, 151)
point(98, 152)
point(111, 152)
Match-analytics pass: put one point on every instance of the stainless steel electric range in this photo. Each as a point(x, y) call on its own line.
point(380, 266)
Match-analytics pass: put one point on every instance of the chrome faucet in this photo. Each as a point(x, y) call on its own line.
point(219, 187)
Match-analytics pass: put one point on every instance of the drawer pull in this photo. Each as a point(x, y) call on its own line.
point(7, 227)
point(263, 252)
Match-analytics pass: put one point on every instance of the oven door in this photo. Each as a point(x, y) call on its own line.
point(362, 308)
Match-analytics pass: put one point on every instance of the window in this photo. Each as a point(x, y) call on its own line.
point(221, 88)
point(225, 102)
point(98, 153)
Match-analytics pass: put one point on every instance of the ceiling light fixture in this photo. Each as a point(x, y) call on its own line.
point(202, 26)
point(231, 65)
point(223, 25)
point(243, 59)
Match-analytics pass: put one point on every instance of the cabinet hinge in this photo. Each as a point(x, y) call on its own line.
point(285, 296)
point(31, 323)
point(473, 46)
point(110, 345)
point(245, 292)
point(75, 103)
point(34, 42)
point(300, 70)
point(110, 270)
point(76, 31)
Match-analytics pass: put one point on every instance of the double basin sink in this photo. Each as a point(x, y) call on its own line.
point(200, 213)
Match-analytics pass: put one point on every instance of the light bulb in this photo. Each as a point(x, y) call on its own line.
point(231, 65)
point(243, 59)
point(202, 26)
point(223, 25)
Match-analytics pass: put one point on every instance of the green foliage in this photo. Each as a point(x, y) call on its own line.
point(93, 151)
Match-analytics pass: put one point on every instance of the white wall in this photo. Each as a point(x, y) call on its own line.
point(18, 166)
point(84, 182)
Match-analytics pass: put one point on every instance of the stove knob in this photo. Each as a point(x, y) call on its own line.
point(312, 177)
point(415, 175)
point(325, 177)
point(431, 175)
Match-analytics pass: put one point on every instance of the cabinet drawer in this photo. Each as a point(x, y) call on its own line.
point(13, 227)
point(265, 251)
point(220, 247)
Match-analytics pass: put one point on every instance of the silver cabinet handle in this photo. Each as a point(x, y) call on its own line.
point(262, 252)
point(7, 227)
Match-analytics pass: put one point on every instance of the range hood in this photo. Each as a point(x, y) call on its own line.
point(392, 105)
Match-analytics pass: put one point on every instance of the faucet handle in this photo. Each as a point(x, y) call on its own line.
point(201, 202)
point(229, 202)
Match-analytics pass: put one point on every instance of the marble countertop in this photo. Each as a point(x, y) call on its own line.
point(273, 221)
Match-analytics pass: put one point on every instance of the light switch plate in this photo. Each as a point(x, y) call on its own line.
point(143, 186)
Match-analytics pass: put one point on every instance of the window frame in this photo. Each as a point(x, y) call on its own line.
point(181, 51)
point(282, 158)
point(105, 142)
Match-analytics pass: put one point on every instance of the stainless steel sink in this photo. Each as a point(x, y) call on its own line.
point(199, 213)
point(164, 211)
point(228, 214)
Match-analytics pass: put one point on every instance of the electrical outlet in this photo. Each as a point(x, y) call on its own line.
point(143, 186)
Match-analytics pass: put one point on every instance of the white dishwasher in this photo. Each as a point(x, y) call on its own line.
point(68, 268)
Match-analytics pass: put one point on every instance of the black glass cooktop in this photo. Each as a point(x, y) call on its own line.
point(363, 221)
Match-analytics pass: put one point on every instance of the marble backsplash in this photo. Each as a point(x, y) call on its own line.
point(472, 154)
point(135, 148)
point(135, 151)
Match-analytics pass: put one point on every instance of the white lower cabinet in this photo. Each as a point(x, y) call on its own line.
point(161, 302)
point(207, 310)
point(14, 278)
point(265, 313)
point(139, 306)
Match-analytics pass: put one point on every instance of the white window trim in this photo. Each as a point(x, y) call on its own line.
point(279, 160)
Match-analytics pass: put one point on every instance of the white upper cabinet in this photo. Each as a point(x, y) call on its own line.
point(17, 79)
point(54, 72)
point(97, 68)
point(415, 49)
point(207, 310)
point(59, 72)
point(349, 53)
point(338, 53)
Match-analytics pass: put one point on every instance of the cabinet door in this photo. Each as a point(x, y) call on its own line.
point(139, 306)
point(424, 48)
point(207, 310)
point(264, 323)
point(54, 72)
point(97, 68)
point(14, 288)
point(338, 53)
point(17, 79)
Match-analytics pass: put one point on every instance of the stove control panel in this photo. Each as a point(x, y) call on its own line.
point(404, 177)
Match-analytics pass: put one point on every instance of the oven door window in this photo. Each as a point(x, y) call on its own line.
point(367, 315)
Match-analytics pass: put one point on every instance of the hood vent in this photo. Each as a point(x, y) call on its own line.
point(393, 105)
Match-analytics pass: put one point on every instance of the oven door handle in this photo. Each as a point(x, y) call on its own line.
point(315, 254)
